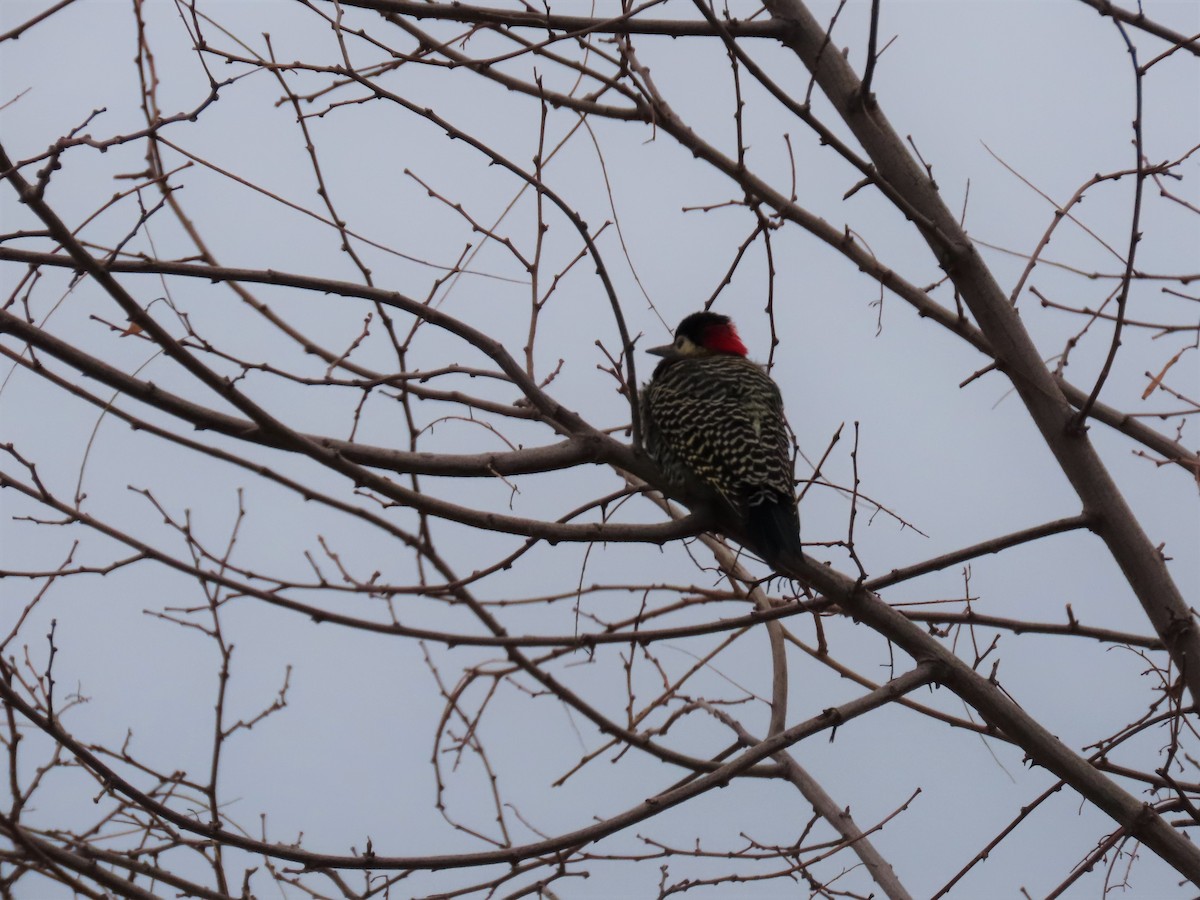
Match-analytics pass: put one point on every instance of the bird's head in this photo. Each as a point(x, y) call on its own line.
point(702, 334)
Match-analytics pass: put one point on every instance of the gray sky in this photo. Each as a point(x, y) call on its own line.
point(1046, 86)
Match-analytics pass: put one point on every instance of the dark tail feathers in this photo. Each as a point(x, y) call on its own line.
point(773, 526)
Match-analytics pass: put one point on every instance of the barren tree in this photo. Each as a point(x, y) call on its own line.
point(333, 565)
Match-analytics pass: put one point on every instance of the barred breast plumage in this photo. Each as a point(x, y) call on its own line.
point(713, 421)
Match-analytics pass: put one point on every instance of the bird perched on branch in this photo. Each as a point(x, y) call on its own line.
point(713, 421)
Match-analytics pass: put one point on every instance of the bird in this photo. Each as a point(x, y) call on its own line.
point(713, 421)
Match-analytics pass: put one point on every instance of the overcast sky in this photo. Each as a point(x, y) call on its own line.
point(1044, 88)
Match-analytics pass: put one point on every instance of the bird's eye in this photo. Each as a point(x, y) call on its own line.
point(679, 342)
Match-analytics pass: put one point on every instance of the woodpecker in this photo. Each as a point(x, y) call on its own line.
point(713, 421)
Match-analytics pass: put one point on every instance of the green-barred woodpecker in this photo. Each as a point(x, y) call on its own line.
point(713, 421)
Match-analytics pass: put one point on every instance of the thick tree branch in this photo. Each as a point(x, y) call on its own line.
point(565, 454)
point(1014, 350)
point(1148, 25)
point(628, 23)
point(1003, 713)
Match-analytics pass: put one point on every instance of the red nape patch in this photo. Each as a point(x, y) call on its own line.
point(724, 339)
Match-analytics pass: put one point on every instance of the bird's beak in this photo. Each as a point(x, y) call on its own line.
point(666, 351)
